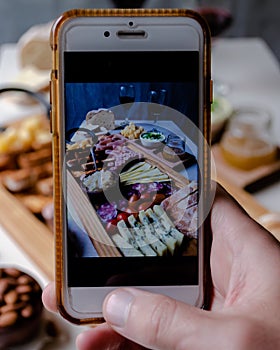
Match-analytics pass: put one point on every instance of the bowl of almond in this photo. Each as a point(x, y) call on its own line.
point(21, 307)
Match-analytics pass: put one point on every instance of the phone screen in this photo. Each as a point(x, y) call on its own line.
point(132, 175)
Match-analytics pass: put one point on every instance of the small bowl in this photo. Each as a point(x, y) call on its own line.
point(152, 139)
point(21, 306)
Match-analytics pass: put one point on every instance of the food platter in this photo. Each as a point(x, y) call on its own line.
point(122, 186)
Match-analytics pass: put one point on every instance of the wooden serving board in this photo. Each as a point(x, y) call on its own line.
point(31, 234)
point(252, 207)
point(90, 220)
point(250, 180)
point(237, 182)
point(156, 153)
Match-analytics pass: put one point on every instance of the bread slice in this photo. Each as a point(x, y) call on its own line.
point(101, 117)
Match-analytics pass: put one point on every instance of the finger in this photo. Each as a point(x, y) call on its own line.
point(230, 219)
point(157, 322)
point(161, 323)
point(104, 337)
point(240, 244)
point(49, 297)
point(235, 232)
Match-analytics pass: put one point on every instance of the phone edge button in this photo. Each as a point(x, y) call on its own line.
point(211, 91)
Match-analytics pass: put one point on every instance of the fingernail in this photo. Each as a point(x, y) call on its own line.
point(117, 307)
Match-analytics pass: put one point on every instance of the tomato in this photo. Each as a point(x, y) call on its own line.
point(111, 227)
point(133, 198)
point(123, 216)
point(146, 197)
point(132, 207)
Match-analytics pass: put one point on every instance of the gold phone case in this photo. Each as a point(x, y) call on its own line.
point(58, 153)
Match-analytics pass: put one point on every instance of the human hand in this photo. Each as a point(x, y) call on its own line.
point(245, 266)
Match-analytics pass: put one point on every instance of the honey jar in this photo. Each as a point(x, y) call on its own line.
point(174, 149)
point(247, 142)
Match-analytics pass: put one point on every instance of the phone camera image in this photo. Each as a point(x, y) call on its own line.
point(107, 34)
point(131, 24)
point(135, 171)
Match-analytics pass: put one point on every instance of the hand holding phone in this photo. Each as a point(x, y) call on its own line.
point(137, 317)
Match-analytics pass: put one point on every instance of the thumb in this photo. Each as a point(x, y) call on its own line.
point(159, 322)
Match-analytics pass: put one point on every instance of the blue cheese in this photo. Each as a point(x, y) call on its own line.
point(161, 233)
point(139, 236)
point(126, 248)
point(150, 235)
point(168, 224)
point(126, 234)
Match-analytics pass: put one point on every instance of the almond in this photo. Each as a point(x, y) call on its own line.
point(11, 297)
point(8, 319)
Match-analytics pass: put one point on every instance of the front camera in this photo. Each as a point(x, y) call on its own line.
point(131, 24)
point(107, 34)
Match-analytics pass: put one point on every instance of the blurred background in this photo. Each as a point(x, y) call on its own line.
point(250, 18)
point(244, 115)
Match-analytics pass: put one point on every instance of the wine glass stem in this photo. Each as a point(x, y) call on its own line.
point(156, 116)
point(126, 115)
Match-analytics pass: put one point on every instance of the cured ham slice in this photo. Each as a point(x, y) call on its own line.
point(179, 195)
point(187, 224)
point(181, 208)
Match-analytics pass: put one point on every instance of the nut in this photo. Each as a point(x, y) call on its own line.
point(11, 297)
point(27, 311)
point(4, 284)
point(12, 272)
point(24, 279)
point(8, 319)
point(24, 297)
point(19, 297)
point(11, 307)
point(23, 289)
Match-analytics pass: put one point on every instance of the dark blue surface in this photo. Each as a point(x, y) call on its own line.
point(84, 97)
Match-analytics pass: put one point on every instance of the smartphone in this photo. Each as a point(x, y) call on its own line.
point(130, 95)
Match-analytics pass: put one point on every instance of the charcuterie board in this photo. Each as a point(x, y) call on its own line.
point(87, 215)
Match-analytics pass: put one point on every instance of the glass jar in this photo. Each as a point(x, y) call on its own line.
point(174, 149)
point(247, 143)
